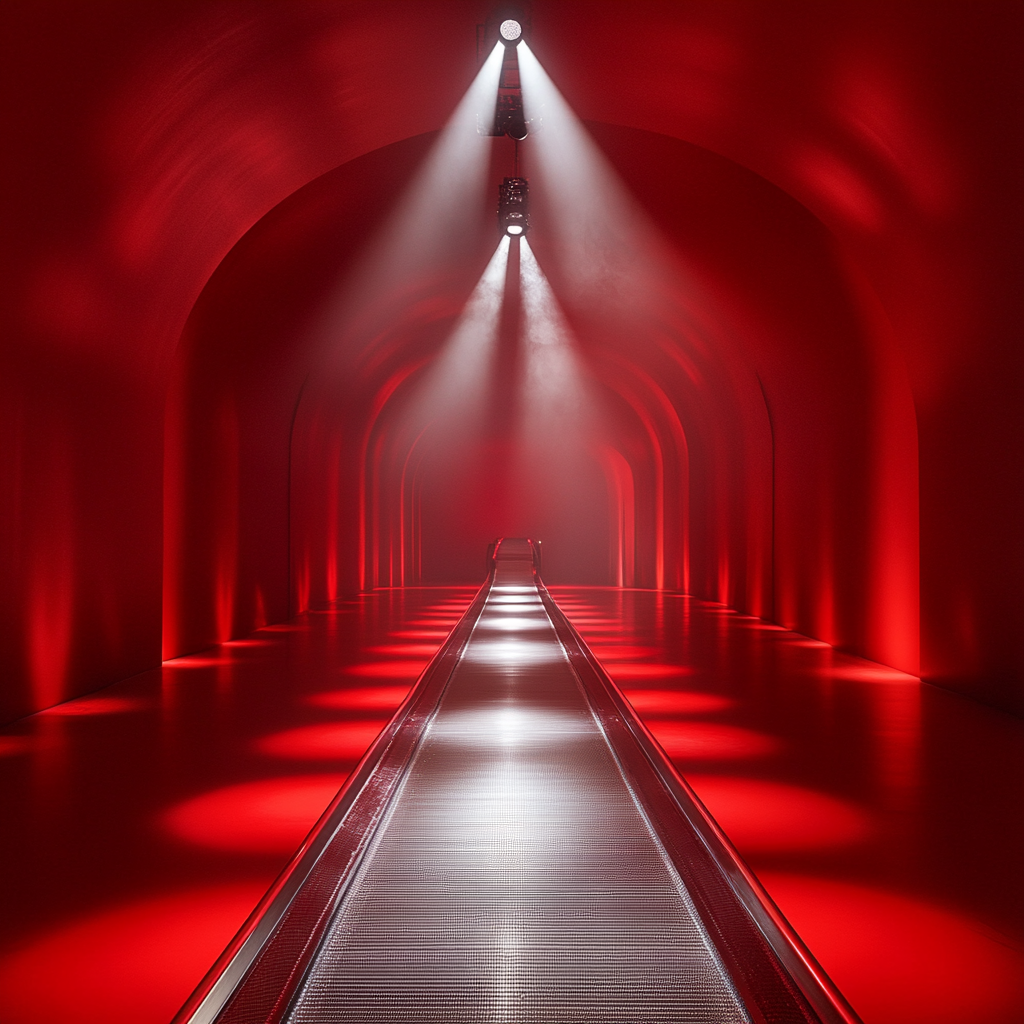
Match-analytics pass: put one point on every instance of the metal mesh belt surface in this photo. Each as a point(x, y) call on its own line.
point(514, 877)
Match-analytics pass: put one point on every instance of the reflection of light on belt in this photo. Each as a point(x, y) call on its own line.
point(513, 652)
point(513, 622)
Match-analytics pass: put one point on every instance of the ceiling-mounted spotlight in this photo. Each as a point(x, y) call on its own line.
point(514, 206)
point(511, 32)
point(510, 25)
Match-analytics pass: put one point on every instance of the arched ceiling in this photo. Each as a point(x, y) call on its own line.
point(147, 139)
point(185, 123)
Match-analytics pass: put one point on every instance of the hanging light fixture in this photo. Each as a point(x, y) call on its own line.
point(514, 206)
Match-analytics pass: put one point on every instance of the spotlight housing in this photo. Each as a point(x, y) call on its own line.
point(510, 31)
point(514, 206)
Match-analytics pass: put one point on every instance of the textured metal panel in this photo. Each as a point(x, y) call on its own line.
point(514, 877)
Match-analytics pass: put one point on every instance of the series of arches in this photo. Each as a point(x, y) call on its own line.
point(819, 423)
point(752, 469)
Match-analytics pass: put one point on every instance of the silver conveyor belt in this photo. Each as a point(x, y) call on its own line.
point(515, 876)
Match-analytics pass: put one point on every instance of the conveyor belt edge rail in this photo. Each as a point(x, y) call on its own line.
point(768, 961)
point(255, 977)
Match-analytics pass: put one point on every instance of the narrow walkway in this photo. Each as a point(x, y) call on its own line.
point(146, 820)
point(516, 877)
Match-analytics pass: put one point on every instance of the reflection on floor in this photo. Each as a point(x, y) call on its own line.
point(882, 815)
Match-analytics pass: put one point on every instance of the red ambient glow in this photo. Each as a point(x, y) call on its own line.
point(900, 960)
point(795, 294)
point(866, 672)
point(408, 650)
point(642, 671)
point(763, 817)
point(669, 702)
point(335, 741)
point(387, 669)
point(135, 964)
point(269, 816)
point(97, 706)
point(622, 652)
point(196, 661)
point(375, 698)
point(709, 741)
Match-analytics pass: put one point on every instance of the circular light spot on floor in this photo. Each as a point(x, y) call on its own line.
point(133, 964)
point(367, 698)
point(767, 817)
point(622, 652)
point(708, 741)
point(405, 650)
point(330, 741)
point(514, 623)
point(676, 702)
point(268, 816)
point(97, 706)
point(866, 672)
point(900, 960)
point(513, 653)
point(641, 670)
point(12, 745)
point(387, 669)
point(497, 726)
point(195, 661)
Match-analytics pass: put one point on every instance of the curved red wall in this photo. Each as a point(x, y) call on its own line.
point(762, 379)
point(147, 140)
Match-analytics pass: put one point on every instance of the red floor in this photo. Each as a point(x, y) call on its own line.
point(144, 822)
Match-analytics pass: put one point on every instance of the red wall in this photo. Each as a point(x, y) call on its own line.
point(763, 366)
point(246, 352)
point(845, 206)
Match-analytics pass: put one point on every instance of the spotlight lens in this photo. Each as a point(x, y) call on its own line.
point(510, 30)
point(514, 229)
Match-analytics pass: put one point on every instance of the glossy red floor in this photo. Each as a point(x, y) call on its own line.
point(144, 822)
